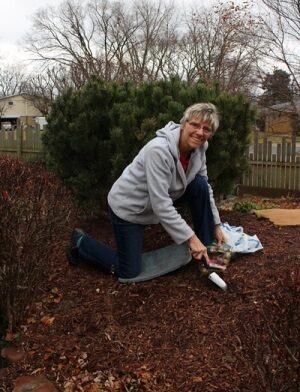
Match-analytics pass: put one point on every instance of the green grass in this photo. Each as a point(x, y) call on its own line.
point(247, 206)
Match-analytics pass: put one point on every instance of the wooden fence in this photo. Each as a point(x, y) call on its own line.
point(274, 166)
point(25, 142)
point(274, 163)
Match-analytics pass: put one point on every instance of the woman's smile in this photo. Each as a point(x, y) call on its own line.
point(193, 135)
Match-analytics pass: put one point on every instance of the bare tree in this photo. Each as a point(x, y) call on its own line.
point(3, 107)
point(152, 49)
point(43, 88)
point(114, 27)
point(219, 46)
point(12, 80)
point(281, 33)
point(63, 37)
point(146, 40)
point(281, 20)
point(105, 38)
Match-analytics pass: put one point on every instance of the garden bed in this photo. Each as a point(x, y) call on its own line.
point(87, 332)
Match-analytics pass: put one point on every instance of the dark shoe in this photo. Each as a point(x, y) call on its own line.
point(72, 251)
point(76, 234)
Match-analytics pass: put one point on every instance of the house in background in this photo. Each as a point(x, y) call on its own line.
point(16, 109)
point(282, 119)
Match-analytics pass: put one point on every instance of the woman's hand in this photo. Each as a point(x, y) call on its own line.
point(197, 249)
point(219, 235)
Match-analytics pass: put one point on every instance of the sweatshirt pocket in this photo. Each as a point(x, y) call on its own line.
point(147, 207)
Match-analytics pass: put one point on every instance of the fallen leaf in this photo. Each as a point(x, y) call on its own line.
point(57, 299)
point(47, 320)
point(31, 320)
point(197, 379)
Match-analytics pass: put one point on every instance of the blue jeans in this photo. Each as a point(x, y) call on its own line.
point(126, 261)
point(197, 197)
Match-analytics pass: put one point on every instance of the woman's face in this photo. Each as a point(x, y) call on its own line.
point(194, 134)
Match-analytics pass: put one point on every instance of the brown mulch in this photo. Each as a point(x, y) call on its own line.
point(87, 332)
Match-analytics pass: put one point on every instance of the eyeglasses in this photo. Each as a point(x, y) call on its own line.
point(197, 127)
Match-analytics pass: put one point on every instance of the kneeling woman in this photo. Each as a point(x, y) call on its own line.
point(170, 168)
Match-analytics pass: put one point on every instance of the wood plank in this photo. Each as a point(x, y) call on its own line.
point(278, 152)
point(293, 147)
point(264, 148)
point(255, 146)
point(274, 172)
point(288, 172)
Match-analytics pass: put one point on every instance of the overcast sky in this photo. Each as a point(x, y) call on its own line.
point(15, 22)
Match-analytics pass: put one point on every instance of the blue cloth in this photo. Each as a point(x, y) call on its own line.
point(129, 262)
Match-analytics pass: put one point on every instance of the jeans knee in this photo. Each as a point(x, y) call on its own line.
point(200, 183)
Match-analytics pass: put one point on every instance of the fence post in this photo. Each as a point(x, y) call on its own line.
point(19, 140)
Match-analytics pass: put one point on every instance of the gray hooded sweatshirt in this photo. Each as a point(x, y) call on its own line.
point(145, 191)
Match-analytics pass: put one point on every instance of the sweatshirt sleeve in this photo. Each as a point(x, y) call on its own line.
point(158, 168)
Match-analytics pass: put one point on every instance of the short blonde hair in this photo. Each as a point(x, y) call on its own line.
point(206, 111)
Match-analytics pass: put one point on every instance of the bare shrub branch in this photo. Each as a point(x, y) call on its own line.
point(36, 210)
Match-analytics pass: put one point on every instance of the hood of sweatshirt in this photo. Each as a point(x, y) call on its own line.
point(171, 132)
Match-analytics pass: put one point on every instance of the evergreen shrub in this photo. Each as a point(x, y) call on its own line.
point(77, 141)
point(95, 132)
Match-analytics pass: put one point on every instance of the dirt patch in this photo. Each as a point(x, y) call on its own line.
point(179, 332)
